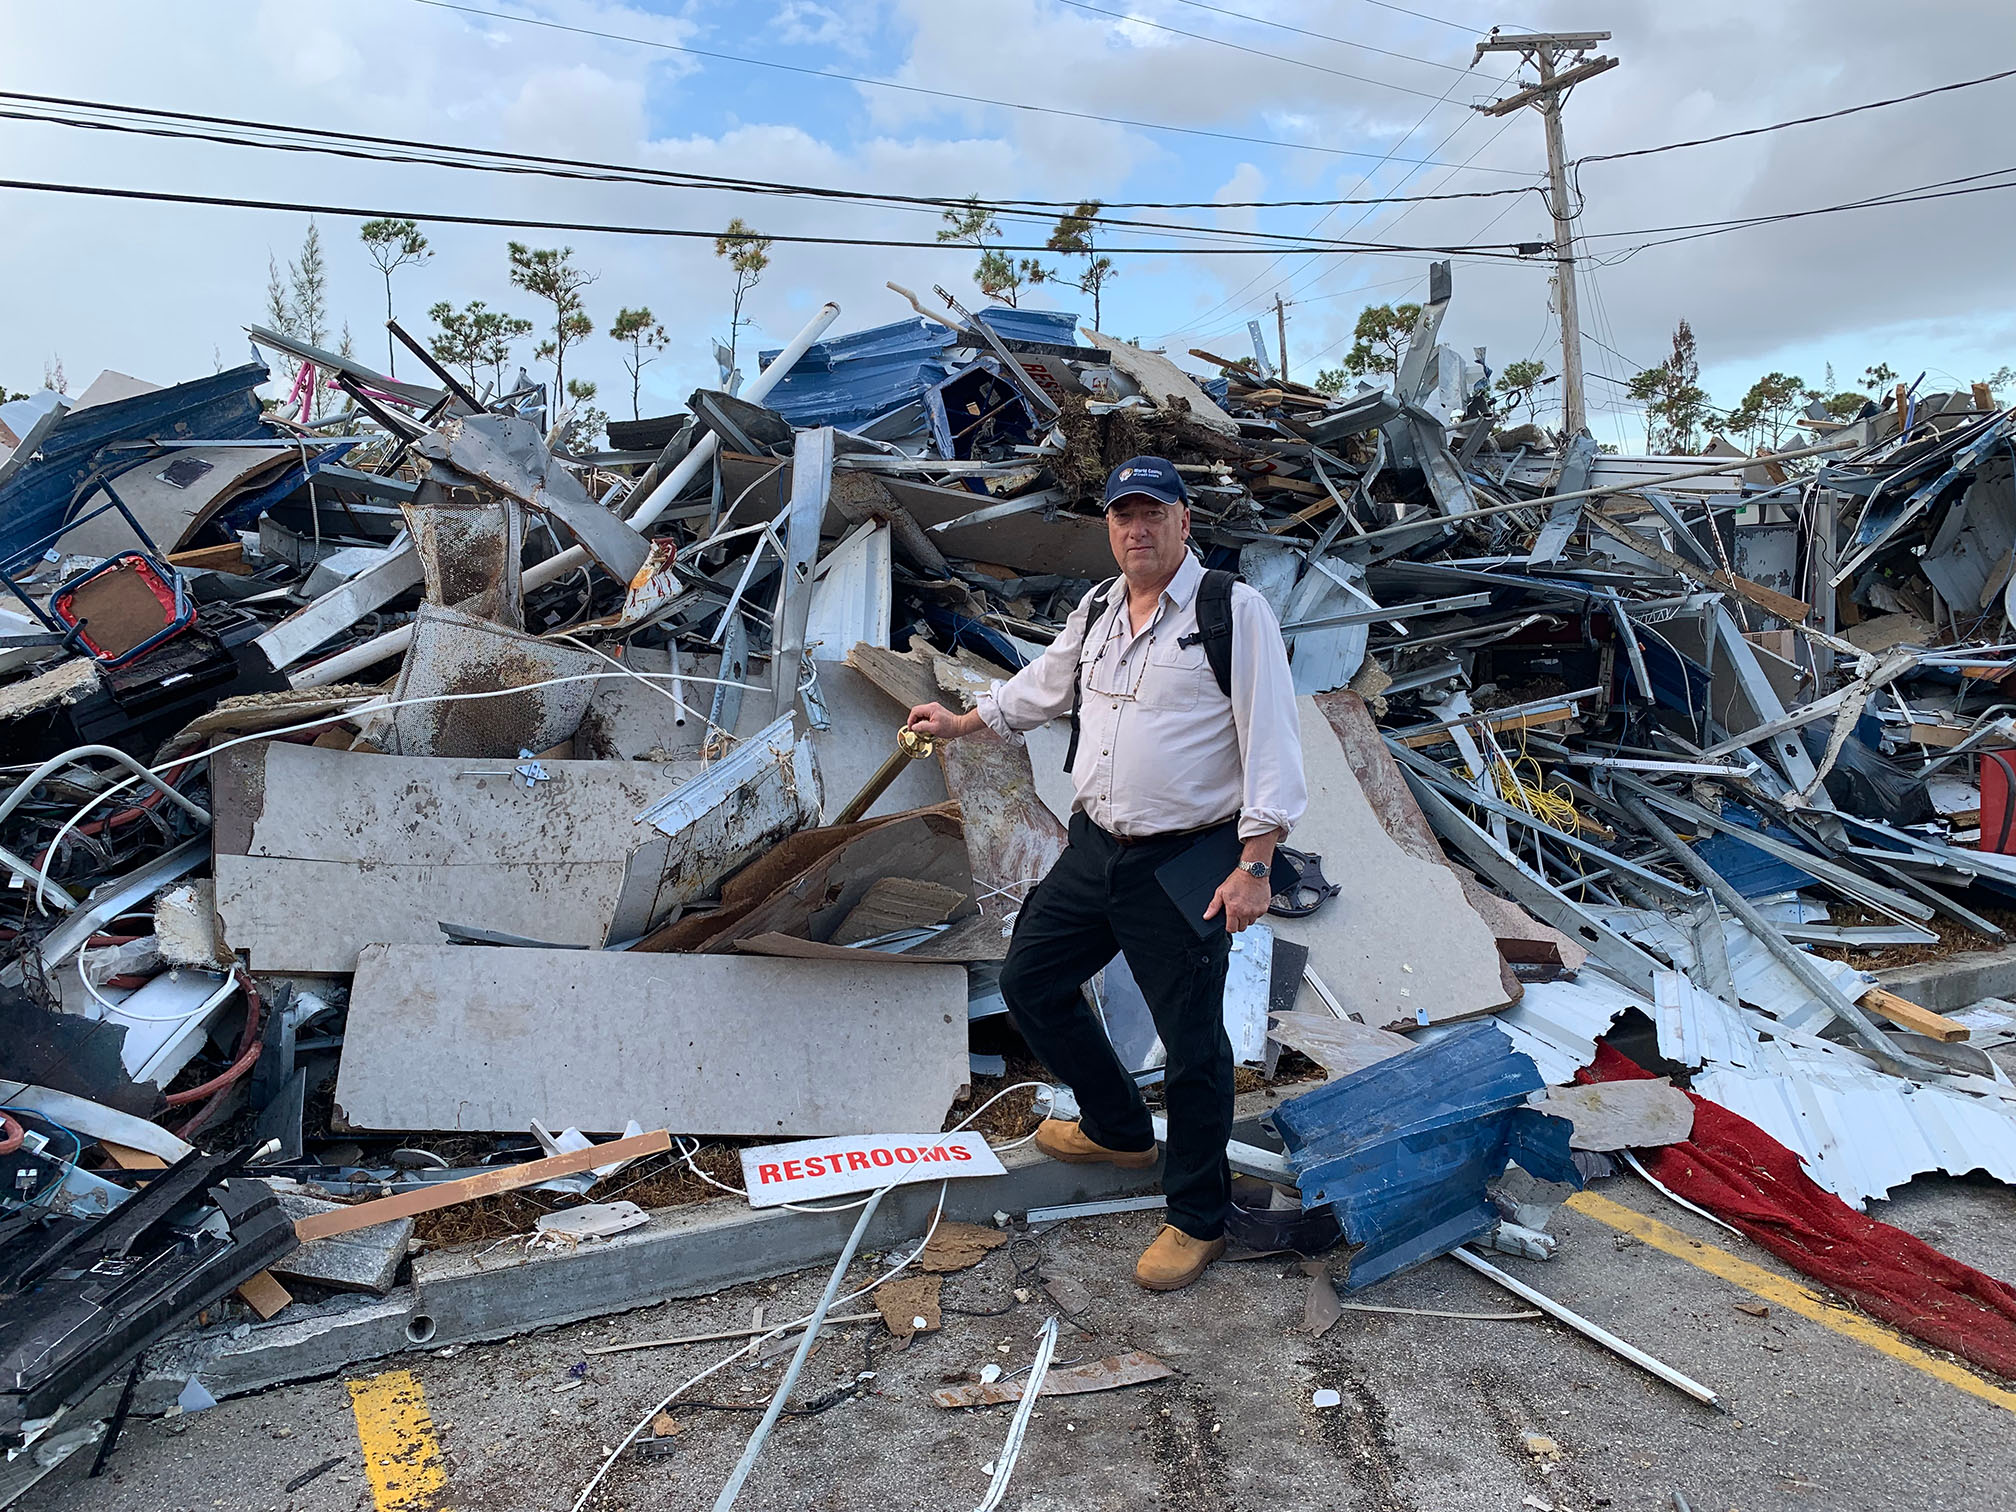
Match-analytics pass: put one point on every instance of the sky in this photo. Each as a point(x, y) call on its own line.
point(1335, 99)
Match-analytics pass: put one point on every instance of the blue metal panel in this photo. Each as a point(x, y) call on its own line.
point(245, 510)
point(1746, 868)
point(851, 379)
point(1403, 1150)
point(1059, 326)
point(36, 500)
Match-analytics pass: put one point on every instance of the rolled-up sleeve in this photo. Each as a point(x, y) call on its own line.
point(1041, 691)
point(1263, 710)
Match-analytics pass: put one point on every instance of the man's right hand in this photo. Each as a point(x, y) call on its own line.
point(940, 723)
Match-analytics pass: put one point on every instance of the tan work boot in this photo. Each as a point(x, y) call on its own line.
point(1175, 1259)
point(1066, 1142)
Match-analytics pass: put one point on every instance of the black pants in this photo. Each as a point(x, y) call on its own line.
point(1101, 898)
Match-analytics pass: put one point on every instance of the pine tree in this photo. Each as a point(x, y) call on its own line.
point(749, 255)
point(392, 245)
point(643, 333)
point(550, 274)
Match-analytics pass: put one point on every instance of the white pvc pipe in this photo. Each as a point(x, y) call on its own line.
point(393, 642)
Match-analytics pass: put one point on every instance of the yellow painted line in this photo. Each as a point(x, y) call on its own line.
point(402, 1458)
point(1790, 1295)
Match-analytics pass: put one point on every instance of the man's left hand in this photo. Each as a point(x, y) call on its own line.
point(1242, 898)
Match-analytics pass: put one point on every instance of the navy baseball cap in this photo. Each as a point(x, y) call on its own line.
point(1152, 477)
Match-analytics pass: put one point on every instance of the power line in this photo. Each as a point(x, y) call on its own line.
point(1324, 36)
point(913, 204)
point(520, 223)
point(1911, 196)
point(1424, 16)
point(955, 96)
point(442, 155)
point(1232, 299)
point(1831, 115)
point(1177, 31)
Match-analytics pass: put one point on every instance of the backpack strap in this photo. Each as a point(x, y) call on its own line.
point(1214, 624)
point(1093, 614)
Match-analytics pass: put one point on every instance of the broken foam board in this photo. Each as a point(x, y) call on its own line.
point(478, 1038)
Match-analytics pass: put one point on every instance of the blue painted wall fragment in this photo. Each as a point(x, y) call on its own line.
point(221, 407)
point(1402, 1151)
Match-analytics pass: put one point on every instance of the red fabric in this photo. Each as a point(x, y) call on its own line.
point(1741, 1174)
point(1998, 820)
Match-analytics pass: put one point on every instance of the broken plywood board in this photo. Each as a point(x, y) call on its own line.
point(1399, 946)
point(319, 852)
point(1132, 1369)
point(479, 1038)
point(927, 849)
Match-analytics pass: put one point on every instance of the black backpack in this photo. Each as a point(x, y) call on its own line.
point(1214, 630)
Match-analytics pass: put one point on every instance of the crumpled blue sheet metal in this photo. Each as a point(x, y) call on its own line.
point(1402, 1151)
point(850, 380)
point(37, 499)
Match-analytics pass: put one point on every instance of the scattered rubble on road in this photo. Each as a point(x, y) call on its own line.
point(390, 790)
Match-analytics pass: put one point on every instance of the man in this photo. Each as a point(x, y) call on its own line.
point(1164, 760)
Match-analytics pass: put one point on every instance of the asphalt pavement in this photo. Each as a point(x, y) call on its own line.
point(1434, 1413)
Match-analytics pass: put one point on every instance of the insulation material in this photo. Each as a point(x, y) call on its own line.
point(457, 654)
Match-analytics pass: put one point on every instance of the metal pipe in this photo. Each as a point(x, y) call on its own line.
point(1787, 955)
point(395, 642)
point(755, 1446)
point(1583, 1326)
point(910, 746)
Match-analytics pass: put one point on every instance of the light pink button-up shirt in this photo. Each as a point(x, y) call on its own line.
point(1160, 748)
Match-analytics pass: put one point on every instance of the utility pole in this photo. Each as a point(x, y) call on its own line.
point(1281, 331)
point(1546, 51)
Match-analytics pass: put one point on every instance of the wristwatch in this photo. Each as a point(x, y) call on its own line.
point(1254, 869)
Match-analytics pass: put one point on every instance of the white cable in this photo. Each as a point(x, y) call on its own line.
point(755, 1344)
point(1011, 1450)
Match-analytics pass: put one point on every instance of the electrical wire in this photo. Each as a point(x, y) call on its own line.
point(1831, 115)
point(1507, 251)
point(1232, 299)
point(750, 1348)
point(957, 97)
point(390, 150)
point(1322, 36)
point(1177, 31)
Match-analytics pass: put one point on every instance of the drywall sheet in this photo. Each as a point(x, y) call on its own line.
point(482, 1038)
point(319, 852)
point(1399, 946)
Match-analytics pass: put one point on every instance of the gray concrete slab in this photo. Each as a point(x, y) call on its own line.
point(1432, 1416)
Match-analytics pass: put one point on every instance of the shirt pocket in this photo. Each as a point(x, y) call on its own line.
point(1174, 677)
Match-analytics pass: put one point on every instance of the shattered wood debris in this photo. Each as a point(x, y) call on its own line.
point(367, 773)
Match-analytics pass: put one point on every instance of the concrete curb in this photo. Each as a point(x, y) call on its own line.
point(477, 1293)
point(1953, 983)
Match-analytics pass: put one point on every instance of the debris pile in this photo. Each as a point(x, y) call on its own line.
point(364, 771)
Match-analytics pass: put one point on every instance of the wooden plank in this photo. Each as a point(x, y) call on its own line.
point(1784, 606)
point(1533, 719)
point(129, 1159)
point(265, 1295)
point(227, 558)
point(1114, 1371)
point(449, 1193)
point(1906, 1014)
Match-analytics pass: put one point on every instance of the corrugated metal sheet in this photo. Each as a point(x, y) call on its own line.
point(850, 380)
point(1058, 326)
point(1695, 1028)
point(222, 407)
point(1557, 1023)
point(1862, 1133)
